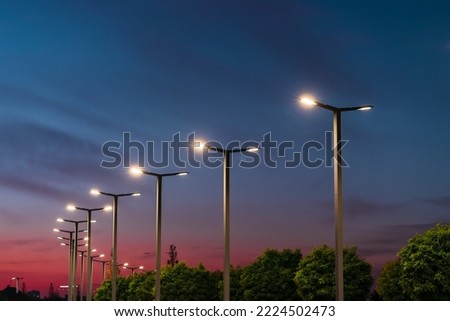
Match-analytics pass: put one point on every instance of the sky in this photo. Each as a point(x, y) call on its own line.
point(78, 74)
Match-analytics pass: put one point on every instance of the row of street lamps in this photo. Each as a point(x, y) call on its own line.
point(337, 166)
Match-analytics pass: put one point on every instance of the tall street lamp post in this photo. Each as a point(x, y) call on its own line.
point(103, 262)
point(114, 236)
point(72, 285)
point(17, 279)
point(226, 211)
point(91, 263)
point(71, 249)
point(337, 169)
point(89, 212)
point(159, 177)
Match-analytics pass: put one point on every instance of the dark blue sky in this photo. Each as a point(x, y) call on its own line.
point(76, 74)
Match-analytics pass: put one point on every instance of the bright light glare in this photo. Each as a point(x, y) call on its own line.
point(102, 255)
point(136, 194)
point(59, 220)
point(199, 144)
point(141, 267)
point(308, 101)
point(136, 171)
point(365, 108)
point(107, 208)
point(95, 192)
point(94, 250)
point(63, 244)
point(55, 230)
point(182, 174)
point(252, 149)
point(71, 207)
point(125, 264)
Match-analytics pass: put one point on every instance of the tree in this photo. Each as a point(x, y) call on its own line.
point(389, 282)
point(183, 283)
point(315, 277)
point(52, 293)
point(424, 265)
point(141, 287)
point(271, 276)
point(103, 292)
point(173, 255)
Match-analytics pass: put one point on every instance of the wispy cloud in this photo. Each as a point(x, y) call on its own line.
point(357, 207)
point(443, 201)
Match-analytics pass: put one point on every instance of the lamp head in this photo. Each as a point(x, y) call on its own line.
point(95, 191)
point(365, 107)
point(136, 171)
point(308, 101)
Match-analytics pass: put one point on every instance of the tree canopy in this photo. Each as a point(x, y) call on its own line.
point(271, 276)
point(315, 277)
point(422, 270)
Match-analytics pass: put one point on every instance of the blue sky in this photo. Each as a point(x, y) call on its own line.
point(76, 74)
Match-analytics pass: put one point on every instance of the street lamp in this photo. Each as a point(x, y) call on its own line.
point(91, 264)
point(89, 211)
point(72, 285)
point(226, 210)
point(17, 278)
point(133, 268)
point(337, 168)
point(114, 236)
point(71, 249)
point(104, 262)
point(159, 177)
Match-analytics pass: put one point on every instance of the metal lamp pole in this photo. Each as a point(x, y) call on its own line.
point(71, 249)
point(337, 173)
point(114, 236)
point(91, 264)
point(17, 278)
point(72, 285)
point(89, 212)
point(103, 268)
point(226, 212)
point(159, 177)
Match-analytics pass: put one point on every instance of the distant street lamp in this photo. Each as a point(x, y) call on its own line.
point(134, 268)
point(71, 249)
point(159, 177)
point(82, 272)
point(17, 279)
point(91, 264)
point(89, 212)
point(104, 262)
point(226, 211)
point(337, 167)
point(114, 236)
point(72, 295)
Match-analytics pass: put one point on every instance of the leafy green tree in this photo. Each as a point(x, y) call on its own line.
point(236, 291)
point(425, 265)
point(389, 282)
point(183, 283)
point(315, 277)
point(141, 287)
point(271, 276)
point(103, 292)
